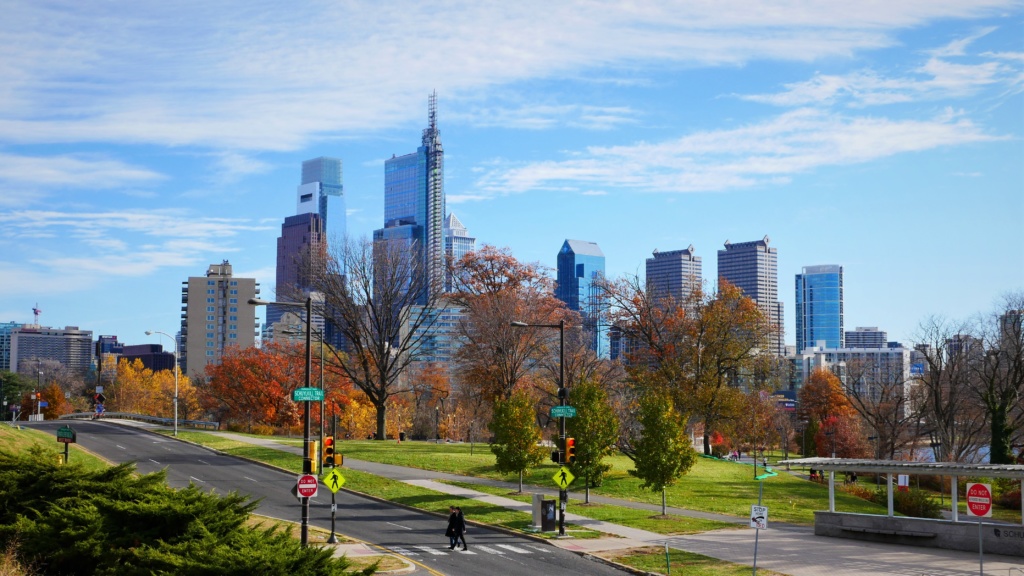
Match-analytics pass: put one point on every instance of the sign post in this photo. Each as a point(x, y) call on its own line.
point(979, 503)
point(66, 435)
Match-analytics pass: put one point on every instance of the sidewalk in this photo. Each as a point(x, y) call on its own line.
point(787, 549)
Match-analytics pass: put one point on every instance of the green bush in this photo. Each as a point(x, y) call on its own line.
point(913, 502)
point(67, 520)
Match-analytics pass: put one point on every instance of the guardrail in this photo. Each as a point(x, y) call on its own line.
point(205, 424)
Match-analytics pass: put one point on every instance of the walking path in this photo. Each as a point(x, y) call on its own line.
point(788, 549)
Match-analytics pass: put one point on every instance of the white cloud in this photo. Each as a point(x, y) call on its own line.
point(72, 171)
point(270, 76)
point(769, 152)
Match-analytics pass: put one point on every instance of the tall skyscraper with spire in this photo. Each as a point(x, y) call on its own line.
point(414, 208)
point(753, 268)
point(580, 268)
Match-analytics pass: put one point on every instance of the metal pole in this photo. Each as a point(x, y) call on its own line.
point(175, 387)
point(757, 531)
point(307, 467)
point(321, 332)
point(981, 556)
point(563, 494)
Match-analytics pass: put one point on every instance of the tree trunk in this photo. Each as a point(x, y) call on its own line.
point(1000, 451)
point(664, 503)
point(520, 481)
point(381, 430)
point(707, 439)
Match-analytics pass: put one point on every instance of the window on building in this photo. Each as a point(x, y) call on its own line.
point(234, 291)
point(209, 318)
point(211, 300)
point(209, 334)
point(211, 283)
point(209, 308)
point(233, 300)
point(234, 309)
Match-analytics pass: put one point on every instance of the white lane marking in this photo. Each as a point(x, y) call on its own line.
point(513, 548)
point(250, 479)
point(203, 461)
point(429, 550)
point(489, 550)
point(399, 525)
point(121, 447)
point(197, 479)
point(154, 461)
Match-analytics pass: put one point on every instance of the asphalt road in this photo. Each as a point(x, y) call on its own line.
point(414, 535)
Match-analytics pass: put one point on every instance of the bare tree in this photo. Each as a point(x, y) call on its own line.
point(379, 298)
point(879, 391)
point(949, 410)
point(998, 379)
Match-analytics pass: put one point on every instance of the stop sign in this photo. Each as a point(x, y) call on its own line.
point(979, 499)
point(307, 486)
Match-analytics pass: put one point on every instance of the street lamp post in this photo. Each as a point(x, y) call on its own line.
point(150, 333)
point(307, 462)
point(563, 396)
point(39, 384)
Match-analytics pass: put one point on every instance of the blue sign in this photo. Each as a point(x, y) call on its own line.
point(43, 403)
point(917, 369)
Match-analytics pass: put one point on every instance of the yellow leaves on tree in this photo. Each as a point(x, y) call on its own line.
point(139, 390)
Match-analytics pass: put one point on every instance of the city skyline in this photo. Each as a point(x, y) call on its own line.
point(135, 152)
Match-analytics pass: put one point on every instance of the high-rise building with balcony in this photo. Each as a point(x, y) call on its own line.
point(580, 268)
point(674, 274)
point(753, 268)
point(215, 316)
point(819, 307)
point(865, 337)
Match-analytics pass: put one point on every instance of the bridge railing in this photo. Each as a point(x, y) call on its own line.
point(205, 424)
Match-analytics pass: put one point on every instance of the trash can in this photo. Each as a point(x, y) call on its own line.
point(547, 516)
point(401, 436)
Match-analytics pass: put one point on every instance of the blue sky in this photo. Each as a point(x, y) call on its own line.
point(141, 142)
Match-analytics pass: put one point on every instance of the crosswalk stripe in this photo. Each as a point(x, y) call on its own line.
point(513, 548)
point(542, 549)
point(489, 550)
point(430, 550)
point(404, 552)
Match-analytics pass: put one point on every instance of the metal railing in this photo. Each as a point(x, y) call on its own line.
point(205, 424)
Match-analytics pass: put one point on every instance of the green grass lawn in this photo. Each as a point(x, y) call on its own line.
point(15, 440)
point(652, 560)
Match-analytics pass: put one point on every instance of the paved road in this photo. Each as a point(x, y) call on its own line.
point(415, 535)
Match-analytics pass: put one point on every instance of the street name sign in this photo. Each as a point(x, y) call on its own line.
point(65, 435)
point(979, 499)
point(307, 395)
point(758, 517)
point(563, 412)
point(307, 486)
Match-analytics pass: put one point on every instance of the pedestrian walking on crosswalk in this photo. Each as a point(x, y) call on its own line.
point(452, 532)
point(461, 527)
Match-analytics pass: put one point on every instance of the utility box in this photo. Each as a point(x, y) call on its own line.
point(548, 523)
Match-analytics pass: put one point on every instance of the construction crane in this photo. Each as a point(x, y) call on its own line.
point(36, 312)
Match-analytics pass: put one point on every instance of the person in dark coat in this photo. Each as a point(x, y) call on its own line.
point(452, 532)
point(461, 528)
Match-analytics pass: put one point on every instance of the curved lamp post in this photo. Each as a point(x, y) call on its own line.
point(150, 333)
point(307, 458)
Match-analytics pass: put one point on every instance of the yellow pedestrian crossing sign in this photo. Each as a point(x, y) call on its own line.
point(333, 480)
point(563, 478)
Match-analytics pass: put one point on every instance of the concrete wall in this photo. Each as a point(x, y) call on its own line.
point(1003, 539)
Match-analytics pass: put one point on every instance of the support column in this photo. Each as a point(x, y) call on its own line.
point(888, 484)
point(831, 490)
point(952, 496)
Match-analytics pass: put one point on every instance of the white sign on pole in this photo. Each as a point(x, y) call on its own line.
point(758, 517)
point(979, 499)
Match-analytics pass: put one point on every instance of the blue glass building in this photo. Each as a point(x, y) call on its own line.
point(819, 307)
point(580, 265)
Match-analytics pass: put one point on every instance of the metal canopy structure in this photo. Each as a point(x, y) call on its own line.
point(890, 467)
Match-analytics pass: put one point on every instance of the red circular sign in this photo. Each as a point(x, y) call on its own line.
point(307, 486)
point(979, 500)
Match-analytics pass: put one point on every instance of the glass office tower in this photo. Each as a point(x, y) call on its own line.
point(819, 307)
point(580, 265)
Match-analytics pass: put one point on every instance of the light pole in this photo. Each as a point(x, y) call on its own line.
point(307, 462)
point(150, 333)
point(563, 494)
point(39, 384)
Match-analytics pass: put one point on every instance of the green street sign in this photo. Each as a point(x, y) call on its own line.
point(307, 395)
point(563, 412)
point(66, 435)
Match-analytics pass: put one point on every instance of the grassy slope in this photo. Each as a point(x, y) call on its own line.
point(15, 440)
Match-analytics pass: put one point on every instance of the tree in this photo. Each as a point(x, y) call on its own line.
point(881, 393)
point(380, 299)
point(494, 289)
point(998, 379)
point(663, 451)
point(823, 402)
point(516, 436)
point(56, 404)
point(950, 412)
point(595, 429)
point(254, 385)
point(757, 427)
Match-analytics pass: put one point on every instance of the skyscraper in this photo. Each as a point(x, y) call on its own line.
point(321, 181)
point(673, 274)
point(580, 266)
point(819, 307)
point(457, 243)
point(215, 316)
point(865, 337)
point(753, 268)
point(414, 201)
point(70, 346)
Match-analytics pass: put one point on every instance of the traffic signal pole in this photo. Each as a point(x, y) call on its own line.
point(563, 494)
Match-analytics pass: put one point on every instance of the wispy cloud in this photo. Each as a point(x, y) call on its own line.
point(262, 75)
point(72, 171)
point(772, 151)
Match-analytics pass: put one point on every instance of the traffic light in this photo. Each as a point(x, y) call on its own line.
point(313, 460)
point(570, 450)
point(328, 455)
point(556, 456)
point(339, 459)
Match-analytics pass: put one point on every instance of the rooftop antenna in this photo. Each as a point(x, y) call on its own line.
point(36, 312)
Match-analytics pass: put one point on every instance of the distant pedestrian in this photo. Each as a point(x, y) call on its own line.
point(452, 532)
point(461, 527)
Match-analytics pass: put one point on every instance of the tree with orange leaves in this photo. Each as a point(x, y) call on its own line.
point(254, 385)
point(56, 403)
point(824, 402)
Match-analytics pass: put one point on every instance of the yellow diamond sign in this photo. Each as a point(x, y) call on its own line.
point(563, 478)
point(333, 480)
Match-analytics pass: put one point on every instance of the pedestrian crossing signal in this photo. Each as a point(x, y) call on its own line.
point(339, 459)
point(328, 455)
point(570, 450)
